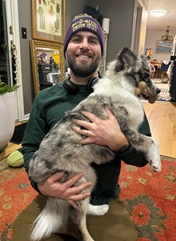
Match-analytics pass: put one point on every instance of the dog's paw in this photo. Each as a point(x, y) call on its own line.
point(98, 210)
point(156, 167)
point(153, 157)
point(155, 163)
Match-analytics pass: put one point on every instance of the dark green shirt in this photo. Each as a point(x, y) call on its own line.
point(48, 108)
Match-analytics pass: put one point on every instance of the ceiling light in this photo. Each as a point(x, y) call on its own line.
point(167, 35)
point(158, 13)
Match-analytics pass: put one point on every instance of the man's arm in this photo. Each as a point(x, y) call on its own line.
point(108, 133)
point(35, 132)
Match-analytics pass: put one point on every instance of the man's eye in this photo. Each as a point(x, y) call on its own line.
point(93, 41)
point(76, 40)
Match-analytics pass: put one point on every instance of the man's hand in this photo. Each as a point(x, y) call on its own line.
point(101, 132)
point(65, 190)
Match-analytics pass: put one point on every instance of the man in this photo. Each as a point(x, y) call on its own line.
point(83, 50)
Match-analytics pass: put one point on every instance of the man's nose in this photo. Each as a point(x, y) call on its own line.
point(85, 43)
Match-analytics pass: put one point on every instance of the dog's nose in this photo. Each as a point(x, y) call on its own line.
point(158, 90)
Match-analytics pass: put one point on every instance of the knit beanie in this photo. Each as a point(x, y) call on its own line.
point(84, 22)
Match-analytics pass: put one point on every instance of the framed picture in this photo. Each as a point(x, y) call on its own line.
point(163, 46)
point(48, 20)
point(42, 52)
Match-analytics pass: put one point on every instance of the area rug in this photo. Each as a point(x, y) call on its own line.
point(15, 195)
point(164, 94)
point(151, 200)
point(18, 133)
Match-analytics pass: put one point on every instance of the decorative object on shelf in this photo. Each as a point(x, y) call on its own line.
point(48, 20)
point(164, 46)
point(167, 35)
point(49, 50)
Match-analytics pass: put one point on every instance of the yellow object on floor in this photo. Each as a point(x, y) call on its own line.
point(15, 159)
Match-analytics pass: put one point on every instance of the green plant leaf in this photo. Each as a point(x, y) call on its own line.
point(5, 88)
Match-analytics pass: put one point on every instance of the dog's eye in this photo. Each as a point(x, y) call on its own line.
point(146, 75)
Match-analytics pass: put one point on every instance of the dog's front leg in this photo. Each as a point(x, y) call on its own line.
point(154, 156)
point(148, 145)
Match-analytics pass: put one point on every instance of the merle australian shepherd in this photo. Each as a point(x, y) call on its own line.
point(59, 150)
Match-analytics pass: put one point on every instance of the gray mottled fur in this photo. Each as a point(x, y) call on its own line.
point(59, 152)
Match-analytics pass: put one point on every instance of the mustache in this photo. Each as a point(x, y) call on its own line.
point(82, 71)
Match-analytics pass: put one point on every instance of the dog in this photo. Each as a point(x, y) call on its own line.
point(59, 150)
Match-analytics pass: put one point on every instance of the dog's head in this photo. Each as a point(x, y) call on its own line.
point(135, 69)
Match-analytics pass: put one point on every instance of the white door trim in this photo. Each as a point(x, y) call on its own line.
point(13, 20)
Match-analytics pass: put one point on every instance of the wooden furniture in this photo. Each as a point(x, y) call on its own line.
point(156, 66)
point(159, 70)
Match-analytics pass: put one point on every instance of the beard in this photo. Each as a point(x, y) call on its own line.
point(80, 70)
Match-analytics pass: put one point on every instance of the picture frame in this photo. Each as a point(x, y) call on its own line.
point(38, 47)
point(48, 20)
point(164, 46)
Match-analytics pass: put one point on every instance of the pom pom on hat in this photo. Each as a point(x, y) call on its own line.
point(84, 22)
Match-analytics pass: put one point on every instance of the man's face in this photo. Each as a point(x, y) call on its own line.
point(83, 54)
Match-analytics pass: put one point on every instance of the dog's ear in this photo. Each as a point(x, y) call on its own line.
point(126, 59)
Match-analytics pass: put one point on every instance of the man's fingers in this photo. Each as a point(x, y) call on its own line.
point(80, 188)
point(80, 196)
point(78, 130)
point(73, 204)
point(109, 112)
point(89, 115)
point(72, 180)
point(82, 123)
point(55, 177)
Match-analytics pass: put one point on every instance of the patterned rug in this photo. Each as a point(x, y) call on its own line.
point(15, 195)
point(164, 94)
point(151, 200)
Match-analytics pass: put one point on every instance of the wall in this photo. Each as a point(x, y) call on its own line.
point(72, 8)
point(121, 14)
point(25, 21)
point(151, 37)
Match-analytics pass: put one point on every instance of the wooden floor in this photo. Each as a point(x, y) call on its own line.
point(162, 120)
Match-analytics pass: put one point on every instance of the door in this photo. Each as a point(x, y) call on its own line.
point(10, 56)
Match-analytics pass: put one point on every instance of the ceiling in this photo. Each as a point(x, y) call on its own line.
point(169, 19)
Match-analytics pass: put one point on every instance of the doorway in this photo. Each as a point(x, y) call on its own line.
point(10, 55)
point(5, 55)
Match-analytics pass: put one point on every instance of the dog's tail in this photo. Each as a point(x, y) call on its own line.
point(53, 216)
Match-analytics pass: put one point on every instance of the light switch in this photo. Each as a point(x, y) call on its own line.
point(24, 32)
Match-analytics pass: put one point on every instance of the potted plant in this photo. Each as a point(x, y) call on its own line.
point(8, 108)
